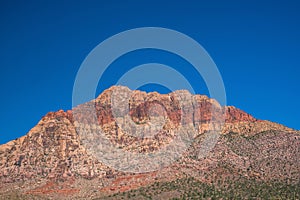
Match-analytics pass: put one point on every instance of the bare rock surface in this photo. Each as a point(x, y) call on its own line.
point(50, 161)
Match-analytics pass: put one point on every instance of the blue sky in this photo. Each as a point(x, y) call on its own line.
point(255, 45)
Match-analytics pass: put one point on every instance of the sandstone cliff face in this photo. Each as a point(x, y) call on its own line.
point(53, 149)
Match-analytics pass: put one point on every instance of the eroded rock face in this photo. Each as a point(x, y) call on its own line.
point(236, 115)
point(53, 149)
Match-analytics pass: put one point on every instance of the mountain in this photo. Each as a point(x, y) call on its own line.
point(228, 153)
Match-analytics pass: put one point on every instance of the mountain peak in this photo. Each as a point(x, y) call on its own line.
point(52, 160)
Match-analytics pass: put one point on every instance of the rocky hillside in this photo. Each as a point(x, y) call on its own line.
point(56, 158)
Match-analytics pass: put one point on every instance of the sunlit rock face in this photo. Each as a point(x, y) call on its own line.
point(52, 158)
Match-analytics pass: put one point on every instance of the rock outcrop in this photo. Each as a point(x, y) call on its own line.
point(52, 153)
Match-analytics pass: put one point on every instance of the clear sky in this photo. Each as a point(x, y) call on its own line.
point(255, 44)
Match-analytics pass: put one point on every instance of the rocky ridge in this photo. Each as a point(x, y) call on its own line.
point(53, 156)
